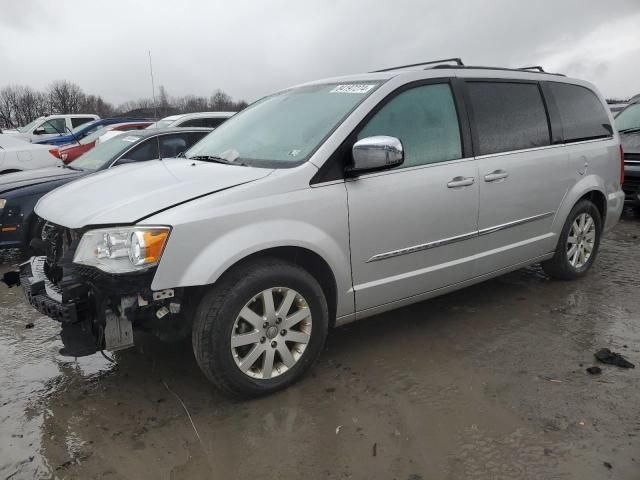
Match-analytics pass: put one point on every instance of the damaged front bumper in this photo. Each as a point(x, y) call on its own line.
point(98, 311)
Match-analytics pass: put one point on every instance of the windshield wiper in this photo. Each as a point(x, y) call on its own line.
point(629, 130)
point(215, 159)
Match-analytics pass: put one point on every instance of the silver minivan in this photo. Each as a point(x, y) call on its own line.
point(326, 203)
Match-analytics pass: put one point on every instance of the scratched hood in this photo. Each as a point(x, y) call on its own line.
point(128, 193)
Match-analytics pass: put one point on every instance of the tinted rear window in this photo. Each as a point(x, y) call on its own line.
point(508, 116)
point(583, 116)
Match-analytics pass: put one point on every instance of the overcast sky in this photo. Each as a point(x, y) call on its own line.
point(250, 48)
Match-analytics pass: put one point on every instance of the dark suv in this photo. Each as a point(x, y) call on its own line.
point(628, 124)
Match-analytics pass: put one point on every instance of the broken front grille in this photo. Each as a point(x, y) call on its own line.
point(58, 245)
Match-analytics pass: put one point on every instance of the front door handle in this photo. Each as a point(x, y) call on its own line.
point(457, 182)
point(496, 176)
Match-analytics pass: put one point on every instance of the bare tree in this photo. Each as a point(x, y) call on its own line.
point(95, 104)
point(31, 104)
point(8, 106)
point(65, 97)
point(220, 102)
point(20, 105)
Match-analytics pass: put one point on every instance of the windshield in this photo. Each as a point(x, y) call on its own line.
point(284, 129)
point(628, 118)
point(29, 126)
point(104, 153)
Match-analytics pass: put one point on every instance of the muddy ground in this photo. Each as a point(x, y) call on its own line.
point(487, 382)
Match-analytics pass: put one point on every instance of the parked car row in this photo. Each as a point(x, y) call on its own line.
point(321, 204)
point(20, 192)
point(90, 130)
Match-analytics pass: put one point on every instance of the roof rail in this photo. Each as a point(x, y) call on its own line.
point(458, 62)
point(535, 67)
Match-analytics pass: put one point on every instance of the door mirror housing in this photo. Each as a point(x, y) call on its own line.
point(377, 152)
point(39, 131)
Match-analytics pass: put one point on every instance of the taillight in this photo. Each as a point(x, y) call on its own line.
point(55, 152)
point(621, 165)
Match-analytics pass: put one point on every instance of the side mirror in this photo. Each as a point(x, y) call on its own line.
point(39, 131)
point(372, 153)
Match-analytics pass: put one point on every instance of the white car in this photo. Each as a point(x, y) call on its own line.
point(198, 119)
point(17, 155)
point(50, 126)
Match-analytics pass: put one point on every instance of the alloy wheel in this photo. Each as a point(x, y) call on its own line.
point(581, 240)
point(271, 333)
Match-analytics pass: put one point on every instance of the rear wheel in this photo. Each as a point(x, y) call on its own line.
point(578, 243)
point(260, 328)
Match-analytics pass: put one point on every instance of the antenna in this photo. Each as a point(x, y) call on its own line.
point(155, 104)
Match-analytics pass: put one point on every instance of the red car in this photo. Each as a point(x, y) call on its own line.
point(71, 152)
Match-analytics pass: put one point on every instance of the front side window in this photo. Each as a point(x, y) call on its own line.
point(424, 119)
point(284, 129)
point(583, 115)
point(508, 116)
point(54, 126)
point(629, 118)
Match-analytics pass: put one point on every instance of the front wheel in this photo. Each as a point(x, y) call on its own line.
point(578, 243)
point(260, 328)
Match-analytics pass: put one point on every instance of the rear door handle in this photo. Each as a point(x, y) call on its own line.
point(495, 176)
point(457, 182)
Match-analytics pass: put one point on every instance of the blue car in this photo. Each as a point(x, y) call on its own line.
point(85, 129)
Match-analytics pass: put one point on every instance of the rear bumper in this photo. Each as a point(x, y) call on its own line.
point(615, 205)
point(631, 186)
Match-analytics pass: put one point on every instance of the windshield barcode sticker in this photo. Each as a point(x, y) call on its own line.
point(352, 88)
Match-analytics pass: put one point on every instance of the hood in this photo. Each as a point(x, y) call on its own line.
point(10, 131)
point(630, 142)
point(128, 193)
point(13, 181)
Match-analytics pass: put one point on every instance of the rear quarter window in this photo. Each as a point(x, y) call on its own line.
point(77, 121)
point(582, 114)
point(507, 116)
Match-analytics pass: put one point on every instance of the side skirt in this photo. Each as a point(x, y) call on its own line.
point(437, 292)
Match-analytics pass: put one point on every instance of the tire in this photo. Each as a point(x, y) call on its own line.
point(218, 317)
point(560, 265)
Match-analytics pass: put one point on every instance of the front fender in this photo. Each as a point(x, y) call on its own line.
point(188, 268)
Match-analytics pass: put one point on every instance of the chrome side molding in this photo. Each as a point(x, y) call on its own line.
point(457, 238)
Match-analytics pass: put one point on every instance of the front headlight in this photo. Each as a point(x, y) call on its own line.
point(3, 202)
point(122, 249)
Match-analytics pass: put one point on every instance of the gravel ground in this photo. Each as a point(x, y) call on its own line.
point(486, 382)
